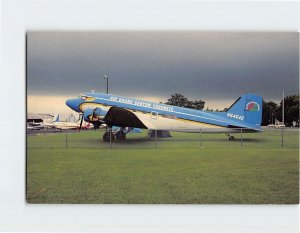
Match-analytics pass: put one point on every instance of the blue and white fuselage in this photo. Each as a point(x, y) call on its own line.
point(120, 111)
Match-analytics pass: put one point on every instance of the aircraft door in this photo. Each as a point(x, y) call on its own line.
point(154, 115)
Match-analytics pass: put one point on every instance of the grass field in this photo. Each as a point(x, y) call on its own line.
point(80, 168)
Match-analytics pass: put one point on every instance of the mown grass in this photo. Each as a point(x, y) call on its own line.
point(86, 170)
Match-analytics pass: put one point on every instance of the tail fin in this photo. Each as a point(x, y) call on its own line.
point(56, 118)
point(247, 108)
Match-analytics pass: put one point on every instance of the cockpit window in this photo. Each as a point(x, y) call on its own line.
point(86, 98)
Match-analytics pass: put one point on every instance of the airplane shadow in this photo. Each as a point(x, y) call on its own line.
point(151, 140)
point(135, 140)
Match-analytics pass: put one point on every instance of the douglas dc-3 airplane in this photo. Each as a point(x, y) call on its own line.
point(129, 113)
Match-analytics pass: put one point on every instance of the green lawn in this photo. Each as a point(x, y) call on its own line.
point(178, 170)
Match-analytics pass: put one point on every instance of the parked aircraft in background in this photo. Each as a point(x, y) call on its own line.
point(71, 125)
point(129, 113)
point(35, 126)
point(56, 123)
point(35, 121)
point(49, 123)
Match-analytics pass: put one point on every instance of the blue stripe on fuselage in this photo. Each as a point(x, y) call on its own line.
point(214, 118)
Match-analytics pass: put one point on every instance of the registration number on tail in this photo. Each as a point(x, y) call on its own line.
point(235, 116)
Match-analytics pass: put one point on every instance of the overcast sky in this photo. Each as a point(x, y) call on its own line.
point(213, 66)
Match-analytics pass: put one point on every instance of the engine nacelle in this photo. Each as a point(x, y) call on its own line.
point(94, 116)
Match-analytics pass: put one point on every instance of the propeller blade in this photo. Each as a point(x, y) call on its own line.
point(95, 118)
point(93, 115)
point(81, 122)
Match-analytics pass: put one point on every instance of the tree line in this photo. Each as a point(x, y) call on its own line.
point(272, 111)
point(182, 101)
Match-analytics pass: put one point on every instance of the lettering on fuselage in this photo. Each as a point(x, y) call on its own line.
point(141, 103)
point(235, 116)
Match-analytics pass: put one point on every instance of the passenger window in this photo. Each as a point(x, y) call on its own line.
point(154, 115)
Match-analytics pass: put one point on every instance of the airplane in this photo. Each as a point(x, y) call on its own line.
point(35, 126)
point(67, 125)
point(49, 123)
point(129, 113)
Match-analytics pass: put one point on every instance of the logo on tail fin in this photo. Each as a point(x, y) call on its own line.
point(252, 107)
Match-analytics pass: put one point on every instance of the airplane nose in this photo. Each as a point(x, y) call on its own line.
point(73, 104)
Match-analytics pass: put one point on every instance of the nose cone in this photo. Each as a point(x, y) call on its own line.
point(74, 104)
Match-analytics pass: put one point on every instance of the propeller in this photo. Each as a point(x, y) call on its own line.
point(81, 122)
point(94, 117)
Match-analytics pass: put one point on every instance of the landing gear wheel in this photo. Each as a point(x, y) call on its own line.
point(121, 136)
point(106, 137)
point(230, 137)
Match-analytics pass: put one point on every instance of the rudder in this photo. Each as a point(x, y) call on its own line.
point(247, 108)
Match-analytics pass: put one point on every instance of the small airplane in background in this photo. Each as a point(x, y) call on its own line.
point(129, 113)
point(35, 126)
point(67, 125)
point(49, 123)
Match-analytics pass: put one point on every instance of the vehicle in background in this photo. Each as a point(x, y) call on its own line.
point(277, 124)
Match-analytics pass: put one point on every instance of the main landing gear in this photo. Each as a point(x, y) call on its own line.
point(119, 135)
point(106, 136)
point(230, 137)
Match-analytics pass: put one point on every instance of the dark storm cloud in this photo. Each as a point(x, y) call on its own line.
point(206, 65)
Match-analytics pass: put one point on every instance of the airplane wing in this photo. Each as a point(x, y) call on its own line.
point(126, 118)
point(123, 118)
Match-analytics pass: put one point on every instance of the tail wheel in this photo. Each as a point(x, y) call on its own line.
point(231, 138)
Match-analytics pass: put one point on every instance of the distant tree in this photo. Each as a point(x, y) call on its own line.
point(269, 113)
point(272, 111)
point(291, 109)
point(209, 109)
point(197, 104)
point(177, 100)
point(181, 101)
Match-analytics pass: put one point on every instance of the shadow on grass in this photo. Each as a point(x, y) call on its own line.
point(152, 140)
